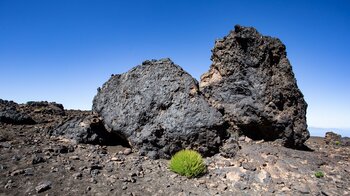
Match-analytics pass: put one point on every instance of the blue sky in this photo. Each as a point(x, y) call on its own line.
point(63, 50)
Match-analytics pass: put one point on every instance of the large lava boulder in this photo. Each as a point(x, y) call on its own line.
point(158, 108)
point(252, 84)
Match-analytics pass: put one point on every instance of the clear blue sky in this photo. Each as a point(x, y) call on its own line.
point(63, 50)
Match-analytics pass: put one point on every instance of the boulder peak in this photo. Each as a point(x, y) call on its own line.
point(252, 83)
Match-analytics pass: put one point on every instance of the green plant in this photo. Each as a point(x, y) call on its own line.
point(337, 143)
point(187, 163)
point(319, 174)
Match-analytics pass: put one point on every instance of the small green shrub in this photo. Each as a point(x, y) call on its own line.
point(337, 143)
point(319, 174)
point(187, 163)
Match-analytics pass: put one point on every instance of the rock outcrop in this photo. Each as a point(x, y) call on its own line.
point(11, 113)
point(332, 138)
point(252, 84)
point(158, 108)
point(45, 107)
point(87, 129)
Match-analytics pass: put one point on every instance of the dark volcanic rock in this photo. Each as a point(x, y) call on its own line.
point(43, 186)
point(158, 108)
point(229, 148)
point(331, 138)
point(45, 107)
point(10, 113)
point(87, 129)
point(252, 83)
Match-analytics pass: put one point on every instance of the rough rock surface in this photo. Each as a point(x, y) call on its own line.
point(45, 107)
point(158, 108)
point(252, 84)
point(332, 138)
point(85, 129)
point(10, 113)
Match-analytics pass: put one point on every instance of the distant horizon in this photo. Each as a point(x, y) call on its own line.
point(321, 131)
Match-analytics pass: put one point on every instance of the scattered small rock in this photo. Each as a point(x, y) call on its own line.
point(302, 188)
point(222, 187)
point(94, 172)
point(16, 157)
point(29, 172)
point(9, 184)
point(5, 145)
point(93, 180)
point(74, 157)
point(77, 175)
point(43, 186)
point(37, 159)
point(18, 172)
point(127, 151)
point(2, 167)
point(249, 166)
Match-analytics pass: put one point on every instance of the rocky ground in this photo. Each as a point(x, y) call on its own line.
point(34, 163)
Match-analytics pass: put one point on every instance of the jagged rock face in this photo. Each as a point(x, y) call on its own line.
point(158, 108)
point(252, 84)
point(11, 113)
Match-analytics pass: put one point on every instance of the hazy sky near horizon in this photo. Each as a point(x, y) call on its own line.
point(64, 50)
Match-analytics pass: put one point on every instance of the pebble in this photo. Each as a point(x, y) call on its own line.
point(82, 168)
point(241, 138)
point(212, 185)
point(247, 139)
point(302, 188)
point(94, 172)
point(98, 167)
point(260, 141)
point(2, 167)
point(77, 175)
point(17, 172)
point(201, 181)
point(16, 158)
point(69, 168)
point(127, 151)
point(9, 184)
point(132, 174)
point(5, 145)
point(222, 187)
point(43, 186)
point(74, 158)
point(29, 172)
point(54, 169)
point(118, 158)
point(93, 180)
point(37, 159)
point(241, 186)
point(249, 166)
point(233, 176)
